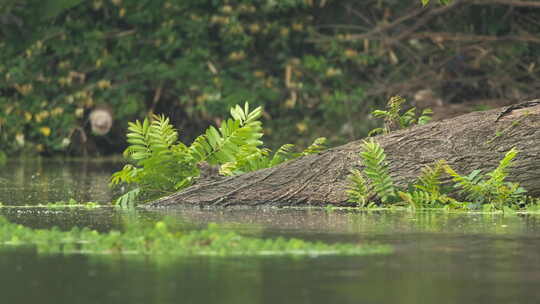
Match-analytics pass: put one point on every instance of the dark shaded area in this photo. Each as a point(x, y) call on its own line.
point(317, 67)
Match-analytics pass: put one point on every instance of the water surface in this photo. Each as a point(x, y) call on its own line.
point(439, 257)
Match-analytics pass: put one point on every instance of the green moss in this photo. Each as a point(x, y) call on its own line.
point(160, 240)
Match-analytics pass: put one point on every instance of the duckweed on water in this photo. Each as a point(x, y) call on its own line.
point(159, 240)
point(71, 203)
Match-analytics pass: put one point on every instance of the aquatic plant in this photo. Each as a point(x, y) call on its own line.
point(71, 203)
point(161, 239)
point(160, 164)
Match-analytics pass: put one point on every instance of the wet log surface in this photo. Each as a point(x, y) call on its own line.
point(476, 140)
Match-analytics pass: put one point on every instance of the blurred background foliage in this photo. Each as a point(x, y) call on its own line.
point(318, 67)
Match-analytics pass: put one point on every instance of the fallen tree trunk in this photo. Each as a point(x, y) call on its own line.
point(476, 140)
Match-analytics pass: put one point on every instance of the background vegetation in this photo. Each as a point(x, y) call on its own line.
point(318, 67)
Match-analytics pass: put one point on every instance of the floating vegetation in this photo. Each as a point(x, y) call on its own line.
point(160, 239)
point(71, 203)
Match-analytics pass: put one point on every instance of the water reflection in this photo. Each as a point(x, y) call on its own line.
point(34, 181)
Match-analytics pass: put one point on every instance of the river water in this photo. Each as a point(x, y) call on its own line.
point(439, 257)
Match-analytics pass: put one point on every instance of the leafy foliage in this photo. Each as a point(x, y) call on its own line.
point(445, 2)
point(376, 169)
point(237, 137)
point(193, 59)
point(490, 188)
point(393, 120)
point(426, 192)
point(481, 191)
point(161, 164)
point(358, 189)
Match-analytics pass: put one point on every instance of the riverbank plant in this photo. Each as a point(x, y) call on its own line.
point(160, 164)
point(164, 239)
point(395, 120)
point(475, 191)
point(487, 191)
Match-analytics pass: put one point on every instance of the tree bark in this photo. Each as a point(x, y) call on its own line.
point(472, 141)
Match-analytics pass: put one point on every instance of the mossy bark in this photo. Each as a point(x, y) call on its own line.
point(476, 140)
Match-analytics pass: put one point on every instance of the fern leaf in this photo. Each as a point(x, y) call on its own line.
point(380, 114)
point(429, 180)
point(425, 117)
point(394, 105)
point(407, 197)
point(282, 154)
point(376, 170)
point(219, 146)
point(357, 190)
point(499, 174)
point(376, 131)
point(471, 185)
point(408, 118)
point(318, 145)
point(128, 199)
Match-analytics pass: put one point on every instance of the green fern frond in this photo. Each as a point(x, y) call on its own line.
point(376, 132)
point(499, 174)
point(493, 190)
point(128, 199)
point(376, 169)
point(428, 193)
point(408, 118)
point(161, 134)
point(219, 146)
point(429, 180)
point(283, 154)
point(425, 117)
point(318, 145)
point(394, 120)
point(469, 184)
point(147, 137)
point(357, 189)
point(394, 106)
point(380, 113)
point(126, 175)
point(139, 140)
point(416, 199)
point(247, 160)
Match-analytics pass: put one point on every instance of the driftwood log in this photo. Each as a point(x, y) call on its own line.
point(476, 140)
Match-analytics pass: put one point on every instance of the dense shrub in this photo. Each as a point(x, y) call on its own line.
point(317, 67)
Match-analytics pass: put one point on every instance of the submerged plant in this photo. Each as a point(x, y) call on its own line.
point(161, 164)
point(161, 239)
